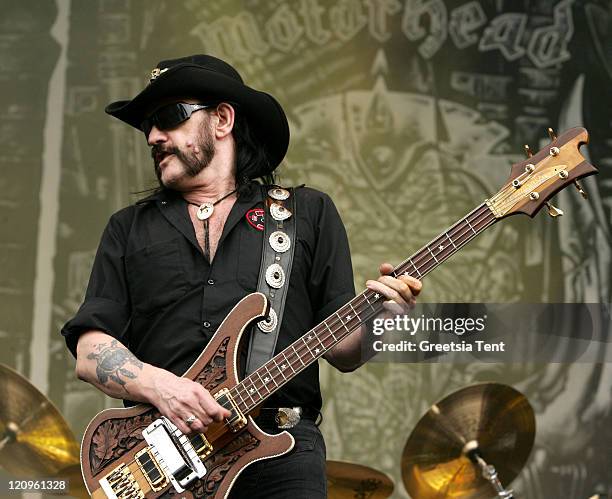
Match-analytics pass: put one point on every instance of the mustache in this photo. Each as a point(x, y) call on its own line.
point(158, 149)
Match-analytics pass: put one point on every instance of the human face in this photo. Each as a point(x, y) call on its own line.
point(182, 152)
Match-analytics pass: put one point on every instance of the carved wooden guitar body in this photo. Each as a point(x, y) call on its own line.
point(114, 436)
point(132, 453)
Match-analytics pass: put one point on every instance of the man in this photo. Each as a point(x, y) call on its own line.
point(164, 279)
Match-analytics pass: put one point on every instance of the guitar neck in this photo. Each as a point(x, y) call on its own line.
point(284, 366)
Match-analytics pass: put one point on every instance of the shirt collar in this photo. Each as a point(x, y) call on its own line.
point(174, 208)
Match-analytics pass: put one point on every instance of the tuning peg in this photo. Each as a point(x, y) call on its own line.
point(551, 133)
point(553, 211)
point(580, 189)
point(528, 151)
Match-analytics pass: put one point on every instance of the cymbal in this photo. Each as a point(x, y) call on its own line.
point(348, 480)
point(35, 440)
point(494, 417)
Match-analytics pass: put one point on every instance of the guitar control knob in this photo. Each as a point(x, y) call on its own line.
point(553, 211)
point(580, 189)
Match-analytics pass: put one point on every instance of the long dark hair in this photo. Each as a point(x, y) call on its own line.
point(252, 161)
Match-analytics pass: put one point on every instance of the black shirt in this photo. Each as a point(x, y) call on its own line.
point(152, 288)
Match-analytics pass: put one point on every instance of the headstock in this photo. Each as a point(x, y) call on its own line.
point(534, 181)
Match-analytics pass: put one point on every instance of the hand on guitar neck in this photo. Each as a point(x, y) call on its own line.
point(107, 364)
point(401, 293)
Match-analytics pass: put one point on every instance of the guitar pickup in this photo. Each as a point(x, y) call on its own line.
point(236, 420)
point(174, 453)
point(202, 446)
point(151, 469)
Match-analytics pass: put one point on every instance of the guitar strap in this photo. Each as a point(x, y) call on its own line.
point(279, 240)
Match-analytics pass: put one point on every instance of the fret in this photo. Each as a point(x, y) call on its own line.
point(432, 254)
point(415, 268)
point(365, 295)
point(237, 393)
point(468, 222)
point(263, 383)
point(279, 369)
point(342, 322)
point(265, 366)
point(299, 357)
point(317, 350)
point(305, 343)
point(354, 311)
point(451, 241)
point(288, 363)
point(330, 331)
point(251, 390)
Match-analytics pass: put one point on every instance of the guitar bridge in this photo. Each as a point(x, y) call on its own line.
point(121, 484)
point(237, 420)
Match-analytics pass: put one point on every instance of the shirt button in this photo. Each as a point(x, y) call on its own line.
point(206, 324)
point(211, 281)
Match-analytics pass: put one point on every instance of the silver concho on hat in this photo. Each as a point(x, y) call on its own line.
point(275, 276)
point(278, 193)
point(269, 324)
point(280, 241)
point(279, 212)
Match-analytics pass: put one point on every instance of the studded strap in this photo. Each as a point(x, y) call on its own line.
point(279, 240)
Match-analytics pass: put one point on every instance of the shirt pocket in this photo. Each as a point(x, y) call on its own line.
point(156, 276)
point(249, 259)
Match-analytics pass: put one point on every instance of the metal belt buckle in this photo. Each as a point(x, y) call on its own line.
point(288, 417)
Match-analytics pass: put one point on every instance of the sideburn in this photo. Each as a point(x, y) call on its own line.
point(206, 144)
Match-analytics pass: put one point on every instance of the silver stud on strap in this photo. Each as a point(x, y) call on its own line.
point(278, 193)
point(279, 241)
point(269, 324)
point(279, 212)
point(275, 276)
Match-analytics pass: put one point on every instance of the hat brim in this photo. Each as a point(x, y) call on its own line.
point(266, 117)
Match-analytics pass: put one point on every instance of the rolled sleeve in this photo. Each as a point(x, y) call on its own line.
point(106, 306)
point(99, 314)
point(331, 279)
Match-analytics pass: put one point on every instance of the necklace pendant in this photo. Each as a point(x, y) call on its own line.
point(205, 210)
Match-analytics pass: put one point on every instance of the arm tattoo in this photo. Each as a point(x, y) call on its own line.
point(111, 362)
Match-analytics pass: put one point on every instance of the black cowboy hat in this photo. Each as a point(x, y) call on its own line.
point(212, 80)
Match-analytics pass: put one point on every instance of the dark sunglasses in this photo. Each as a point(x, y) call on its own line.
point(170, 116)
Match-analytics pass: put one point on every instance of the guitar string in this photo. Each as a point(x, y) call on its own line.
point(301, 350)
point(334, 323)
point(322, 337)
point(355, 304)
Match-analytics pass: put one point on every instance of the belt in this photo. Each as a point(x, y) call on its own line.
point(285, 417)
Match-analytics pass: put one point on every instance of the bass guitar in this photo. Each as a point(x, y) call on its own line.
point(137, 453)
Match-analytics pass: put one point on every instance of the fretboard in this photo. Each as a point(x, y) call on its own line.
point(284, 366)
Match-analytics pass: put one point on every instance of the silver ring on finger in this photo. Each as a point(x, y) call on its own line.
point(190, 420)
